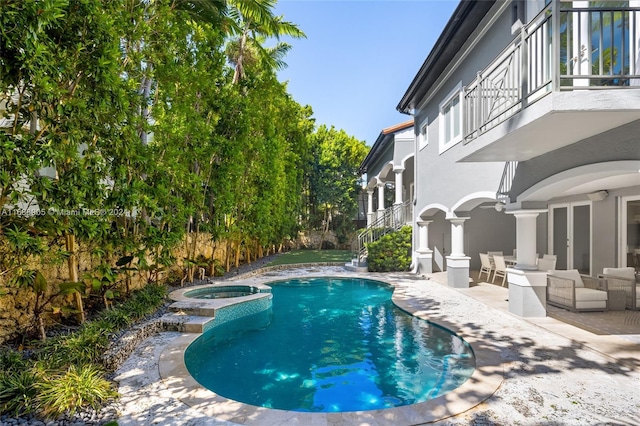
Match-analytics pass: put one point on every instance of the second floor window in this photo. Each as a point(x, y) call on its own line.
point(423, 136)
point(451, 120)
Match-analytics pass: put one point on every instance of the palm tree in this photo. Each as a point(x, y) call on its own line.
point(250, 23)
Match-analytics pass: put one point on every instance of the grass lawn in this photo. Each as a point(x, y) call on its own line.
point(312, 256)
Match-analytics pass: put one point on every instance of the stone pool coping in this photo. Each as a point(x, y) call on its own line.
point(482, 384)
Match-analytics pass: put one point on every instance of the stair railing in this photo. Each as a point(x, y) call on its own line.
point(390, 220)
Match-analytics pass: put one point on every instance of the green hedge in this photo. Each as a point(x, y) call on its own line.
point(391, 253)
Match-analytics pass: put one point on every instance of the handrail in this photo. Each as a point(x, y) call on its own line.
point(506, 182)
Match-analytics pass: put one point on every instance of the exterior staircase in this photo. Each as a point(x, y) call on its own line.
point(389, 220)
point(506, 182)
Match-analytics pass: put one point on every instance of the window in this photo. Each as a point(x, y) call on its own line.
point(423, 135)
point(451, 119)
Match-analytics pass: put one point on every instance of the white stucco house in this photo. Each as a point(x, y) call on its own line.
point(525, 135)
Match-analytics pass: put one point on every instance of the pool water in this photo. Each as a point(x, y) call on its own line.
point(330, 345)
point(221, 292)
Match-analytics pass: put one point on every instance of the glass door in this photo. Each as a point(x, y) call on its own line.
point(630, 232)
point(570, 235)
point(559, 238)
point(581, 238)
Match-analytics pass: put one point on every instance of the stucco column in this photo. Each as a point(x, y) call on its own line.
point(381, 197)
point(369, 207)
point(424, 254)
point(457, 236)
point(398, 171)
point(423, 235)
point(457, 261)
point(527, 285)
point(526, 238)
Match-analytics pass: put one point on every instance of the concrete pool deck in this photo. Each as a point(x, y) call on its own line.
point(531, 372)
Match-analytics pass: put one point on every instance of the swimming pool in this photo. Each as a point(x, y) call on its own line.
point(330, 345)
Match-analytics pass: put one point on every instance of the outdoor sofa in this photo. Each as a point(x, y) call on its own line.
point(575, 292)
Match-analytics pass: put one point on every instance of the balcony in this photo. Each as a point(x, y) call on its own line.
point(569, 75)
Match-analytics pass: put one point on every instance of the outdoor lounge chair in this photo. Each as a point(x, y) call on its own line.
point(624, 279)
point(491, 254)
point(570, 290)
point(501, 268)
point(486, 267)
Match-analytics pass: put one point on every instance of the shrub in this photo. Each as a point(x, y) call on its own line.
point(328, 245)
point(77, 388)
point(82, 347)
point(11, 360)
point(218, 269)
point(89, 343)
point(18, 390)
point(114, 318)
point(391, 253)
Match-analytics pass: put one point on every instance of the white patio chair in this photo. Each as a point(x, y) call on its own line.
point(491, 254)
point(486, 267)
point(546, 264)
point(501, 268)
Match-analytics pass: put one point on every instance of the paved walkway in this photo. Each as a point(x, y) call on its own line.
point(554, 373)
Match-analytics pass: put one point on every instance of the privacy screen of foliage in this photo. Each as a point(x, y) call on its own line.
point(391, 253)
point(126, 125)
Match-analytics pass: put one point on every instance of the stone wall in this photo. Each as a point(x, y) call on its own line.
point(14, 306)
point(311, 239)
point(17, 305)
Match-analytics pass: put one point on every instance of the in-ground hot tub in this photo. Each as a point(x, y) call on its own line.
point(203, 307)
point(223, 292)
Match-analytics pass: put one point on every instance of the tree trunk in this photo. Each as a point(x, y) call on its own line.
point(194, 249)
point(325, 226)
point(238, 73)
point(72, 263)
point(227, 256)
point(41, 330)
point(146, 94)
point(212, 264)
point(186, 262)
point(107, 303)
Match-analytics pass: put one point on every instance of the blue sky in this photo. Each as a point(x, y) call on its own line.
point(359, 57)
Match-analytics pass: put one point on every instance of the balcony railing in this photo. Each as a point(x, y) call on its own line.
point(574, 49)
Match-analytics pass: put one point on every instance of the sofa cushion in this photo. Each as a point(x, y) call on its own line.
point(629, 273)
point(590, 295)
point(571, 274)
